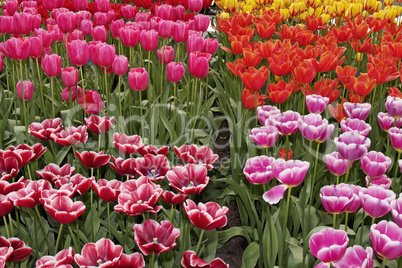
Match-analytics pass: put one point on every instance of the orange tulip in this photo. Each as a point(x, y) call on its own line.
point(342, 34)
point(314, 24)
point(278, 93)
point(326, 88)
point(251, 58)
point(281, 65)
point(288, 32)
point(254, 79)
point(238, 43)
point(362, 85)
point(328, 62)
point(285, 154)
point(265, 29)
point(376, 24)
point(236, 68)
point(248, 99)
point(366, 47)
point(305, 37)
point(304, 72)
point(244, 19)
point(395, 92)
point(396, 49)
point(344, 74)
point(381, 72)
point(338, 112)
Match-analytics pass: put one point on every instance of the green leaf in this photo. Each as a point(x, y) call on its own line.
point(251, 255)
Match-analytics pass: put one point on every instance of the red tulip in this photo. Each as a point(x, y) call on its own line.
point(28, 154)
point(344, 75)
point(124, 167)
point(285, 154)
point(152, 237)
point(166, 54)
point(254, 78)
point(280, 65)
point(108, 191)
point(78, 183)
point(191, 260)
point(138, 79)
point(29, 196)
point(175, 71)
point(99, 125)
point(63, 209)
point(6, 206)
point(63, 258)
point(130, 36)
point(93, 102)
point(71, 136)
point(93, 159)
point(280, 92)
point(69, 76)
point(362, 85)
point(127, 144)
point(188, 179)
point(198, 64)
point(21, 251)
point(28, 90)
point(154, 167)
point(151, 149)
point(53, 172)
point(43, 130)
point(67, 21)
point(304, 72)
point(104, 253)
point(5, 250)
point(180, 32)
point(171, 198)
point(99, 33)
point(135, 260)
point(9, 167)
point(207, 216)
point(149, 40)
point(78, 52)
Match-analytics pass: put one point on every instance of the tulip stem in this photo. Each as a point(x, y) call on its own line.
point(42, 226)
point(174, 102)
point(347, 172)
point(142, 118)
point(76, 160)
point(23, 103)
point(384, 263)
point(256, 106)
point(67, 59)
point(199, 241)
point(281, 260)
point(337, 180)
point(151, 263)
point(92, 210)
point(362, 225)
point(40, 84)
point(287, 147)
point(334, 221)
point(73, 238)
point(120, 116)
point(108, 220)
point(5, 224)
point(11, 223)
point(396, 190)
point(171, 213)
point(58, 239)
point(51, 90)
point(106, 93)
point(346, 221)
point(83, 90)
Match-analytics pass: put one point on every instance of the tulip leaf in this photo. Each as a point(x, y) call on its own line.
point(211, 245)
point(61, 154)
point(3, 126)
point(169, 127)
point(251, 255)
point(226, 235)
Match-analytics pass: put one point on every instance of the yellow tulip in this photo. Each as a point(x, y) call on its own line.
point(284, 13)
point(388, 2)
point(224, 15)
point(359, 57)
point(325, 18)
point(354, 10)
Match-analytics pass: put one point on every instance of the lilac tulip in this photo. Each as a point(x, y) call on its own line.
point(329, 245)
point(336, 199)
point(376, 201)
point(264, 112)
point(264, 136)
point(394, 107)
point(286, 122)
point(382, 181)
point(316, 103)
point(356, 201)
point(357, 110)
point(356, 257)
point(386, 239)
point(352, 145)
point(386, 121)
point(356, 125)
point(395, 135)
point(375, 164)
point(258, 170)
point(396, 210)
point(313, 127)
point(336, 164)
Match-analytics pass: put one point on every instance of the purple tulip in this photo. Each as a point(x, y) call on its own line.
point(290, 173)
point(264, 136)
point(396, 210)
point(382, 181)
point(329, 245)
point(316, 104)
point(395, 135)
point(264, 112)
point(352, 145)
point(314, 128)
point(258, 170)
point(286, 122)
point(386, 239)
point(336, 199)
point(394, 107)
point(356, 257)
point(376, 201)
point(356, 125)
point(336, 164)
point(386, 121)
point(375, 164)
point(357, 110)
point(356, 201)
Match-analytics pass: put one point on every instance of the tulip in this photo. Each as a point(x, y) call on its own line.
point(99, 125)
point(386, 239)
point(78, 52)
point(210, 45)
point(386, 121)
point(357, 110)
point(123, 167)
point(329, 245)
point(381, 181)
point(164, 12)
point(336, 164)
point(99, 33)
point(138, 79)
point(313, 127)
point(64, 257)
point(6, 206)
point(180, 32)
point(53, 172)
point(107, 54)
point(258, 170)
point(69, 76)
point(93, 102)
point(355, 125)
point(171, 198)
point(166, 54)
point(43, 130)
point(150, 149)
point(166, 28)
point(81, 4)
point(9, 167)
point(133, 260)
point(356, 257)
point(22, 23)
point(337, 199)
point(264, 136)
point(149, 40)
point(179, 13)
point(193, 154)
point(129, 36)
point(104, 252)
point(86, 27)
point(49, 5)
point(395, 136)
point(188, 179)
point(128, 12)
point(51, 65)
point(100, 19)
point(191, 260)
point(120, 65)
point(75, 90)
point(254, 78)
point(18, 48)
point(201, 22)
point(194, 43)
point(142, 16)
point(108, 191)
point(248, 98)
point(194, 6)
point(206, 216)
point(198, 64)
point(102, 5)
point(71, 136)
point(352, 145)
point(36, 49)
point(63, 209)
point(376, 200)
point(175, 71)
point(28, 90)
point(394, 107)
point(375, 164)
point(75, 35)
point(67, 21)
point(265, 112)
point(45, 36)
point(396, 210)
point(285, 122)
point(154, 167)
point(316, 103)
point(28, 197)
point(12, 6)
point(127, 144)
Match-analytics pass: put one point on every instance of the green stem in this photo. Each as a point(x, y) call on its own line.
point(199, 241)
point(395, 174)
point(76, 160)
point(256, 106)
point(287, 147)
point(142, 118)
point(171, 213)
point(108, 220)
point(337, 180)
point(334, 221)
point(5, 224)
point(151, 264)
point(58, 239)
point(174, 102)
point(42, 226)
point(347, 172)
point(40, 85)
point(284, 228)
point(92, 211)
point(346, 221)
point(51, 90)
point(36, 235)
point(73, 238)
point(107, 94)
point(384, 263)
point(23, 103)
point(120, 115)
point(362, 224)
point(11, 223)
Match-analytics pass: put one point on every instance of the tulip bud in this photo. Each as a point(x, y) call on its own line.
point(11, 7)
point(194, 6)
point(164, 12)
point(149, 40)
point(99, 33)
point(67, 21)
point(166, 54)
point(175, 71)
point(180, 32)
point(166, 28)
point(198, 64)
point(179, 13)
point(128, 12)
point(106, 55)
point(28, 90)
point(138, 79)
point(86, 27)
point(51, 65)
point(69, 76)
point(103, 5)
point(100, 19)
point(359, 57)
point(78, 52)
point(81, 4)
point(36, 47)
point(120, 65)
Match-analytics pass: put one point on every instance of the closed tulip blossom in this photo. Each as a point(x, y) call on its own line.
point(67, 21)
point(127, 144)
point(180, 32)
point(386, 121)
point(191, 260)
point(396, 210)
point(92, 159)
point(395, 136)
point(376, 201)
point(356, 257)
point(386, 240)
point(381, 181)
point(71, 136)
point(265, 112)
point(107, 54)
point(286, 122)
point(75, 90)
point(18, 48)
point(53, 172)
point(198, 64)
point(6, 206)
point(152, 237)
point(264, 136)
point(375, 164)
point(313, 127)
point(99, 125)
point(357, 110)
point(108, 191)
point(195, 6)
point(258, 170)
point(352, 146)
point(128, 12)
point(138, 79)
point(210, 45)
point(336, 199)
point(104, 253)
point(28, 88)
point(193, 154)
point(356, 125)
point(120, 65)
point(63, 209)
point(99, 34)
point(336, 164)
point(69, 76)
point(188, 179)
point(175, 71)
point(166, 54)
point(166, 28)
point(93, 102)
point(130, 36)
point(20, 250)
point(316, 103)
point(86, 27)
point(78, 52)
point(149, 40)
point(124, 167)
point(206, 216)
point(194, 43)
point(394, 107)
point(63, 257)
point(329, 245)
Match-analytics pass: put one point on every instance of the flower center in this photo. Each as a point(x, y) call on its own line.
point(155, 240)
point(139, 202)
point(3, 174)
point(191, 184)
point(99, 262)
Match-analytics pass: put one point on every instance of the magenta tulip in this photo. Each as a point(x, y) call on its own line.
point(130, 36)
point(314, 128)
point(264, 112)
point(386, 121)
point(86, 27)
point(164, 12)
point(28, 90)
point(100, 19)
point(175, 71)
point(166, 28)
point(12, 6)
point(201, 22)
point(357, 110)
point(179, 13)
point(264, 136)
point(198, 64)
point(386, 239)
point(78, 52)
point(138, 79)
point(69, 76)
point(210, 45)
point(51, 65)
point(45, 36)
point(375, 164)
point(67, 21)
point(194, 43)
point(93, 102)
point(36, 49)
point(336, 164)
point(285, 122)
point(166, 54)
point(128, 12)
point(316, 103)
point(115, 27)
point(103, 5)
point(120, 65)
point(258, 170)
point(356, 257)
point(356, 125)
point(376, 201)
point(81, 4)
point(395, 135)
point(180, 32)
point(329, 245)
point(381, 181)
point(396, 210)
point(194, 6)
point(149, 40)
point(394, 107)
point(22, 23)
point(99, 33)
point(337, 199)
point(352, 146)
point(18, 48)
point(75, 92)
point(106, 56)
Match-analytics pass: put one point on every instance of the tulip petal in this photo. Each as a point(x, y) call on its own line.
point(274, 195)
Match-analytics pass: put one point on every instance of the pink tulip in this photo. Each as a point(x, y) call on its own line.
point(179, 13)
point(356, 125)
point(149, 40)
point(78, 52)
point(128, 12)
point(103, 5)
point(45, 36)
point(356, 257)
point(329, 245)
point(65, 95)
point(336, 164)
point(67, 21)
point(69, 76)
point(142, 16)
point(336, 199)
point(100, 19)
point(49, 5)
point(154, 23)
point(86, 27)
point(93, 102)
point(198, 64)
point(210, 45)
point(396, 210)
point(120, 65)
point(264, 136)
point(375, 164)
point(386, 121)
point(7, 24)
point(81, 4)
point(106, 56)
point(394, 107)
point(115, 28)
point(12, 6)
point(166, 54)
point(314, 128)
point(83, 15)
point(138, 79)
point(386, 239)
point(99, 33)
point(180, 32)
point(1, 62)
point(194, 6)
point(290, 173)
point(258, 170)
point(376, 201)
point(201, 22)
point(130, 36)
point(265, 111)
point(175, 71)
point(316, 103)
point(194, 43)
point(285, 122)
point(166, 28)
point(164, 12)
point(74, 35)
point(352, 146)
point(357, 110)
point(51, 65)
point(94, 52)
point(18, 48)
point(103, 253)
point(28, 90)
point(22, 23)
point(36, 47)
point(382, 181)
point(29, 4)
